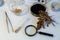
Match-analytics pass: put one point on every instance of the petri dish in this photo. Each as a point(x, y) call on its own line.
point(14, 6)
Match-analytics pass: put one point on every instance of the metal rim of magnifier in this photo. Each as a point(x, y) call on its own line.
point(32, 30)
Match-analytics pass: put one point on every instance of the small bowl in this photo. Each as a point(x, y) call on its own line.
point(35, 8)
point(1, 3)
point(55, 6)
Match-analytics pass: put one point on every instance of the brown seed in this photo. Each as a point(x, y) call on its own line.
point(44, 17)
point(17, 11)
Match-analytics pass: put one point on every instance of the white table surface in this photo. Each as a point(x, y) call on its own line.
point(19, 20)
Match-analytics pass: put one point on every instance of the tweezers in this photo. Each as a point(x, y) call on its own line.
point(7, 19)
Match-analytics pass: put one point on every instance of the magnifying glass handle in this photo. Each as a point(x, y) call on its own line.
point(47, 34)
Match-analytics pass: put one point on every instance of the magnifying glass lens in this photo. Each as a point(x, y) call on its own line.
point(30, 31)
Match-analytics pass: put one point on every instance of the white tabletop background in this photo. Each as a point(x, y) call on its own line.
point(19, 20)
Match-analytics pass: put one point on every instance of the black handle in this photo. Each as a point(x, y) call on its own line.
point(47, 34)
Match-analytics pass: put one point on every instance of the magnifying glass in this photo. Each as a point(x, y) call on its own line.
point(31, 30)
